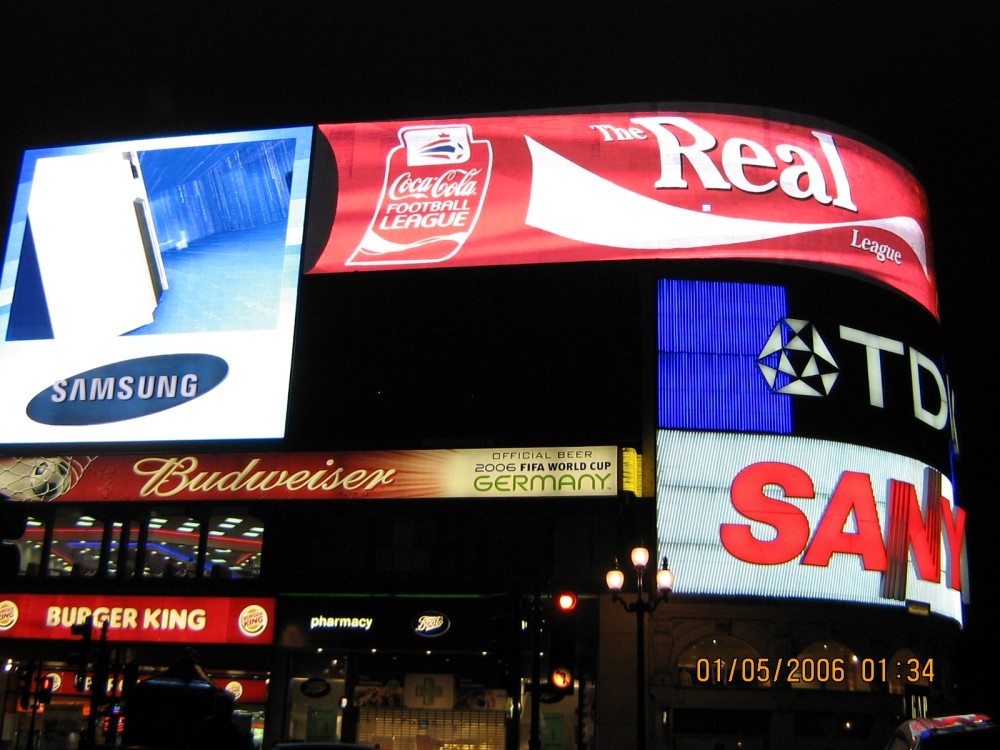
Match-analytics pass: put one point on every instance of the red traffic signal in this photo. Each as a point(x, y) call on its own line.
point(46, 685)
point(25, 682)
point(566, 601)
point(561, 679)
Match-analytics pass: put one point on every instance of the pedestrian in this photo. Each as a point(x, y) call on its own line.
point(217, 731)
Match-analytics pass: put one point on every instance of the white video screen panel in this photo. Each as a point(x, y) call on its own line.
point(798, 518)
point(148, 289)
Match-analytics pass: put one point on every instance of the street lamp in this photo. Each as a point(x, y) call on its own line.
point(641, 606)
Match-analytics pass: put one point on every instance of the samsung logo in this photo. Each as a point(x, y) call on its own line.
point(129, 389)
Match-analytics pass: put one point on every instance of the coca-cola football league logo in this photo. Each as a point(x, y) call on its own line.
point(433, 192)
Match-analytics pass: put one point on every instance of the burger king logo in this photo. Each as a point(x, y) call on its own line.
point(253, 620)
point(8, 614)
point(235, 689)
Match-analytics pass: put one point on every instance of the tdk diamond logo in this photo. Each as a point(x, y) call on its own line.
point(795, 360)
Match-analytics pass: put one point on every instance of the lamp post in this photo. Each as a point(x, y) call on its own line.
point(641, 606)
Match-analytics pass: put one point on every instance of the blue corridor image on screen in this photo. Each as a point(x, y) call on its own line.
point(709, 337)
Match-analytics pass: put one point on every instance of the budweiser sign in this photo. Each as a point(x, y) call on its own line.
point(368, 475)
point(621, 186)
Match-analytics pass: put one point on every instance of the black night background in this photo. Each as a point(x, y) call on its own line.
point(919, 77)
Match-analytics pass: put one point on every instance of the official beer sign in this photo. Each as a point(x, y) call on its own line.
point(369, 475)
point(801, 518)
point(617, 186)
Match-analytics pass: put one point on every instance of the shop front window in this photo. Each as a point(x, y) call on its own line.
point(154, 544)
point(234, 546)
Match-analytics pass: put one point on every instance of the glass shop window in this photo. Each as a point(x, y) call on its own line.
point(157, 544)
point(234, 546)
point(30, 546)
point(172, 545)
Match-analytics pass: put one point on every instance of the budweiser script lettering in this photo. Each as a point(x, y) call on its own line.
point(172, 476)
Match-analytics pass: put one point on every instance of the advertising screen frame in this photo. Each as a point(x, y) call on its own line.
point(105, 241)
point(876, 564)
point(702, 183)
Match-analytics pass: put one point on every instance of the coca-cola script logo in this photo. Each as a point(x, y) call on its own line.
point(253, 620)
point(429, 205)
point(8, 614)
point(431, 624)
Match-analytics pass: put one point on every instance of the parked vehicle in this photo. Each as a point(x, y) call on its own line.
point(964, 732)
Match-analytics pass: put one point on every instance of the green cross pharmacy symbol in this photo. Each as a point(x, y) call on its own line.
point(429, 691)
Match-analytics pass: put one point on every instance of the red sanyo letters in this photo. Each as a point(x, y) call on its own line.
point(908, 525)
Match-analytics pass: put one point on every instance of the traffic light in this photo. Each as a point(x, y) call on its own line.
point(565, 602)
point(562, 644)
point(46, 685)
point(85, 630)
point(13, 523)
point(25, 684)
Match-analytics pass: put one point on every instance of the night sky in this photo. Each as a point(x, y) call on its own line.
point(919, 77)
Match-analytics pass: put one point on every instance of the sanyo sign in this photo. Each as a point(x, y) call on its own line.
point(783, 516)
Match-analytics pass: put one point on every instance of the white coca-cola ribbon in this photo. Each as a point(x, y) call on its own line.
point(374, 245)
point(572, 202)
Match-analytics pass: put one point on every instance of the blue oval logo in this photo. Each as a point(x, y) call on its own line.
point(129, 389)
point(430, 624)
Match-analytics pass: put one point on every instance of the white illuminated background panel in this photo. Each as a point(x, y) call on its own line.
point(695, 472)
point(157, 261)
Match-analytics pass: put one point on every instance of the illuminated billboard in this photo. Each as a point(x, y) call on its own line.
point(524, 189)
point(149, 287)
point(778, 516)
point(164, 619)
point(369, 475)
point(804, 353)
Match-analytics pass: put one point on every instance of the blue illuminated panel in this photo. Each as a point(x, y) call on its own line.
point(709, 337)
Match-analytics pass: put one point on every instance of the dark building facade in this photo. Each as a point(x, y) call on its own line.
point(359, 400)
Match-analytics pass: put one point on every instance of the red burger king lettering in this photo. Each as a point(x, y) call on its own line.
point(129, 618)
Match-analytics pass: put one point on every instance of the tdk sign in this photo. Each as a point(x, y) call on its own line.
point(129, 389)
point(796, 360)
point(852, 364)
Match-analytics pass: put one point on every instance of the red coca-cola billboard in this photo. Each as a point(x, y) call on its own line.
point(624, 185)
